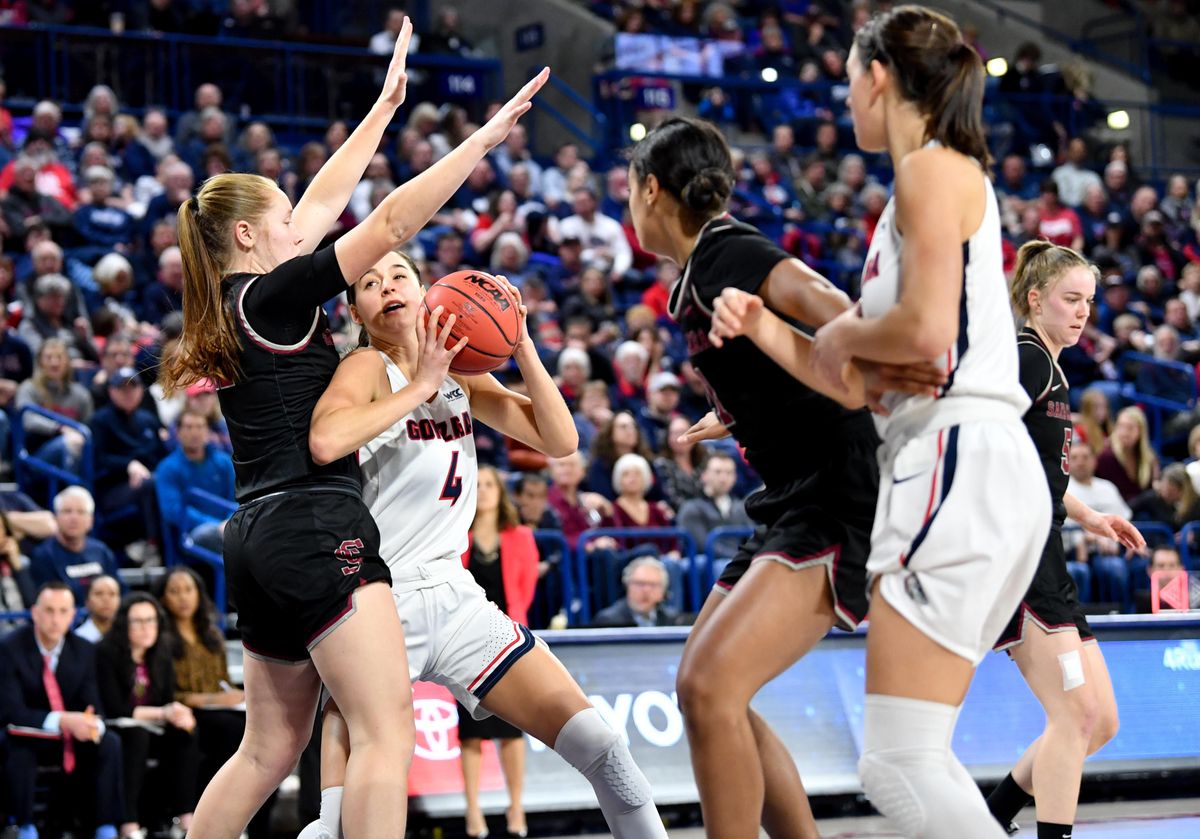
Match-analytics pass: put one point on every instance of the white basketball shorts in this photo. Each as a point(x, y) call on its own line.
point(962, 517)
point(453, 634)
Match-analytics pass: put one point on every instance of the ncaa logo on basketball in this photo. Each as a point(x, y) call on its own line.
point(348, 552)
point(491, 289)
point(434, 720)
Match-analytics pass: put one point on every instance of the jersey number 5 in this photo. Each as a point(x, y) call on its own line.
point(1068, 433)
point(452, 488)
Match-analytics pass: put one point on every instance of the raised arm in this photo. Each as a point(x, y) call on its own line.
point(359, 404)
point(407, 209)
point(329, 193)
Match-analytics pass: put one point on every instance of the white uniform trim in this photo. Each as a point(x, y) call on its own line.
point(281, 349)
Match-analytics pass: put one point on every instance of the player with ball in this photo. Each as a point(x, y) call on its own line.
point(407, 401)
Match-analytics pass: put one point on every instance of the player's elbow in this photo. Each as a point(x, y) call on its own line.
point(321, 447)
point(566, 445)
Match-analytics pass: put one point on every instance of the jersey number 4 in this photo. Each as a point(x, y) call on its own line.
point(1068, 433)
point(452, 488)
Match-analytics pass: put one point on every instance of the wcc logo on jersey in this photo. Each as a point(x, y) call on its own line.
point(348, 553)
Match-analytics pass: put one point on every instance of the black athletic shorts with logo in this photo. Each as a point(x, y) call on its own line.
point(822, 519)
point(1052, 601)
point(293, 561)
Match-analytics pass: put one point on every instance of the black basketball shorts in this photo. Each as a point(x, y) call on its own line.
point(822, 519)
point(293, 561)
point(1052, 601)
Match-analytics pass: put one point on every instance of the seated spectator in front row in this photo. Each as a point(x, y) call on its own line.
point(136, 676)
point(48, 684)
point(103, 598)
point(646, 580)
point(716, 508)
point(53, 388)
point(129, 442)
point(73, 557)
point(1165, 561)
point(1093, 555)
point(1127, 458)
point(1171, 500)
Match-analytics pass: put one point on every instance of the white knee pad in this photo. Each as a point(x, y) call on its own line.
point(592, 747)
point(912, 777)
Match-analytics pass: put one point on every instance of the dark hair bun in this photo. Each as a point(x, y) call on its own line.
point(708, 190)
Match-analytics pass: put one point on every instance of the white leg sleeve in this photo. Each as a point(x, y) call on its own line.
point(329, 825)
point(587, 743)
point(912, 777)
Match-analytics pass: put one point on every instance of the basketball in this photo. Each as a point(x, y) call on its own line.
point(485, 312)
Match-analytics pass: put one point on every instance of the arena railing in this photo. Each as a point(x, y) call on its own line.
point(687, 566)
point(709, 560)
point(293, 85)
point(28, 465)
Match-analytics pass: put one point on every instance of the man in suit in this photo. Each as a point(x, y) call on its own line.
point(645, 580)
point(50, 703)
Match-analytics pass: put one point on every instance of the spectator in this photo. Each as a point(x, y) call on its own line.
point(631, 369)
point(73, 556)
point(52, 178)
point(514, 150)
point(593, 300)
point(1176, 206)
point(48, 683)
point(503, 559)
point(137, 680)
point(603, 237)
point(577, 510)
point(446, 37)
point(657, 296)
point(1189, 290)
point(151, 145)
point(1093, 215)
point(208, 95)
point(103, 598)
point(24, 206)
point(448, 256)
point(1172, 500)
point(16, 365)
point(1127, 458)
point(378, 172)
point(1116, 183)
point(716, 507)
point(202, 680)
point(662, 403)
point(530, 493)
point(1015, 187)
point(1093, 423)
point(619, 437)
point(554, 178)
point(128, 444)
point(592, 409)
point(384, 42)
point(646, 582)
point(1073, 177)
point(118, 353)
point(1058, 223)
point(54, 388)
point(98, 224)
point(196, 463)
point(57, 312)
point(166, 295)
point(574, 368)
point(17, 589)
point(678, 464)
point(510, 256)
point(632, 478)
point(178, 181)
point(114, 284)
point(1105, 555)
point(254, 140)
point(1165, 562)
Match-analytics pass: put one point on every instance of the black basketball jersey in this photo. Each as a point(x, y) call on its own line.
point(785, 427)
point(287, 360)
point(1049, 417)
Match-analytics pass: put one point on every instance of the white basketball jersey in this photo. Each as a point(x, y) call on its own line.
point(982, 362)
point(419, 477)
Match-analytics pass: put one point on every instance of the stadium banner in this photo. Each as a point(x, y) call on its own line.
point(816, 707)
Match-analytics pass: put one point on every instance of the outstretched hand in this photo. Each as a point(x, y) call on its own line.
point(395, 83)
point(493, 133)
